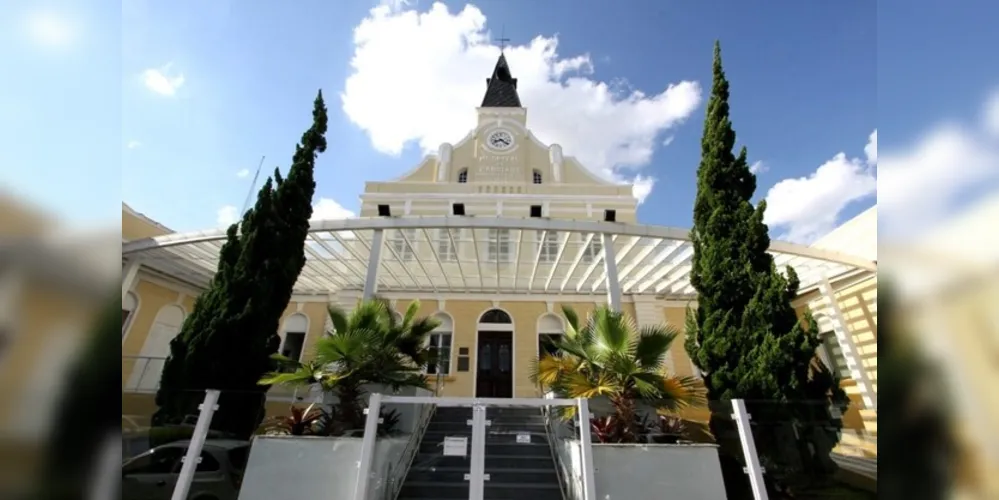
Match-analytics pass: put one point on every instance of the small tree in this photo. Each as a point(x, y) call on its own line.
point(367, 346)
point(744, 335)
point(609, 356)
point(227, 341)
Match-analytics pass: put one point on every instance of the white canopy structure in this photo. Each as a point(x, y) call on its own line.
point(486, 254)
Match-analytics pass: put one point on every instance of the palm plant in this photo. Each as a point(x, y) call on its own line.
point(367, 346)
point(610, 357)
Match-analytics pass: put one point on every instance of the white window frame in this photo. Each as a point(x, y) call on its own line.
point(499, 245)
point(439, 335)
point(399, 246)
point(447, 250)
point(593, 250)
point(548, 246)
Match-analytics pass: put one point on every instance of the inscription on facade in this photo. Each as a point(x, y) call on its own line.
point(498, 168)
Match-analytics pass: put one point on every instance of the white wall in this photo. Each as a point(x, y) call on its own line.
point(657, 471)
point(313, 467)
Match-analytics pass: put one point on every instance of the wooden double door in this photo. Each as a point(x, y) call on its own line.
point(494, 365)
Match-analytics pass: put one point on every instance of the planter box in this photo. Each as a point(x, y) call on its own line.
point(313, 467)
point(657, 471)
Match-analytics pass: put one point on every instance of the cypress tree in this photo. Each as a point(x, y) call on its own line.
point(227, 341)
point(744, 335)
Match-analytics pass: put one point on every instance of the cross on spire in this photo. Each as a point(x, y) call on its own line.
point(502, 39)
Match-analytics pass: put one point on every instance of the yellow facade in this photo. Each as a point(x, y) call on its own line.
point(499, 169)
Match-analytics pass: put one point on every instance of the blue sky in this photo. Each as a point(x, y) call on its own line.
point(809, 80)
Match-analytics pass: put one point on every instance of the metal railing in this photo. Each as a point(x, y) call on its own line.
point(478, 406)
point(398, 470)
point(566, 481)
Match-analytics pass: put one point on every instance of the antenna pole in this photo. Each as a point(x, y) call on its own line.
point(246, 202)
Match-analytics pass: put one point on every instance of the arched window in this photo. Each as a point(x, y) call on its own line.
point(537, 176)
point(293, 335)
point(496, 316)
point(463, 176)
point(129, 304)
point(149, 364)
point(549, 327)
point(440, 344)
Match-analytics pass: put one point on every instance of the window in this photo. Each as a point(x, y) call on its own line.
point(440, 345)
point(549, 328)
point(498, 245)
point(446, 250)
point(440, 349)
point(399, 243)
point(548, 241)
point(834, 355)
point(593, 249)
point(463, 176)
point(537, 176)
point(495, 316)
point(293, 344)
point(155, 461)
point(293, 336)
point(129, 304)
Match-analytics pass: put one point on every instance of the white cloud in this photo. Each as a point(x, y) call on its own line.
point(990, 117)
point(49, 29)
point(133, 144)
point(417, 77)
point(669, 140)
point(160, 81)
point(243, 173)
point(641, 187)
point(808, 207)
point(328, 208)
point(871, 149)
point(227, 216)
point(758, 167)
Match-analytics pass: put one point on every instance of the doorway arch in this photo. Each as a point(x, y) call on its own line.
point(495, 361)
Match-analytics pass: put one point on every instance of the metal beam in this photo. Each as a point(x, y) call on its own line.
point(374, 259)
point(846, 344)
point(610, 267)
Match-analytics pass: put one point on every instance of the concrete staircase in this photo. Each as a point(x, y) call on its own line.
point(515, 470)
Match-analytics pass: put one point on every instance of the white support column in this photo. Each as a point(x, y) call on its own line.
point(846, 344)
point(368, 446)
point(610, 266)
point(586, 450)
point(753, 467)
point(477, 469)
point(128, 276)
point(193, 456)
point(374, 260)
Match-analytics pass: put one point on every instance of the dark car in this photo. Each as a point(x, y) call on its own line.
point(152, 475)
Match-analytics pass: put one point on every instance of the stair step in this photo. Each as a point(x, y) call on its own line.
point(492, 461)
point(495, 448)
point(493, 491)
point(496, 475)
point(492, 436)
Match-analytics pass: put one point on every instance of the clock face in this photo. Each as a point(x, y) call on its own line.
point(500, 140)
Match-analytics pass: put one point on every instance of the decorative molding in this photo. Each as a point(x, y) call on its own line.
point(496, 303)
point(550, 305)
point(299, 306)
point(440, 304)
point(530, 196)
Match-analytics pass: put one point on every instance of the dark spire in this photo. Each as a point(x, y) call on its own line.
point(501, 89)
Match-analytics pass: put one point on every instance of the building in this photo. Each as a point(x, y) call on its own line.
point(493, 235)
